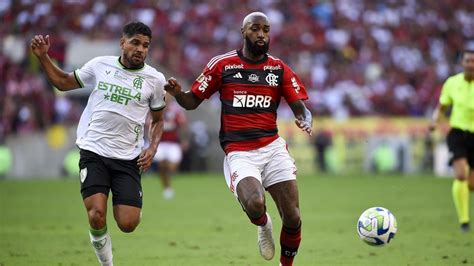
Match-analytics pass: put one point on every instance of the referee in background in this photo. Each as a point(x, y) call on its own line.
point(458, 93)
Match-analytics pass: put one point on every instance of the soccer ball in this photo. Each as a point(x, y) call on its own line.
point(377, 226)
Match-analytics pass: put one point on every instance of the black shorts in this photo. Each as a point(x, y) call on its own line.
point(461, 145)
point(99, 174)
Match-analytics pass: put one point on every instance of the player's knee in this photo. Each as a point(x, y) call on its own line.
point(96, 218)
point(255, 205)
point(127, 226)
point(292, 219)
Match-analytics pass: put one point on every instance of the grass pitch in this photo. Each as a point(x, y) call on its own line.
point(44, 223)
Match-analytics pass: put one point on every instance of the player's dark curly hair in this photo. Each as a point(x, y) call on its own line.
point(136, 27)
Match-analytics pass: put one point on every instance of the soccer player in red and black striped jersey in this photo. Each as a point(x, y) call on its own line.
point(251, 84)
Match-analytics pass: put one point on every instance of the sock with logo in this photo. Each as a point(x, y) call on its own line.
point(102, 244)
point(461, 200)
point(290, 239)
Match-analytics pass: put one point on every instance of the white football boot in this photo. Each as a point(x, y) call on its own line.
point(265, 239)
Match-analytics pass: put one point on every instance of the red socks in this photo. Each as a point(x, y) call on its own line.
point(290, 239)
point(262, 220)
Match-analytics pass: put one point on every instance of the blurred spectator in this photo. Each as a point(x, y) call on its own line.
point(427, 163)
point(357, 57)
point(199, 146)
point(322, 141)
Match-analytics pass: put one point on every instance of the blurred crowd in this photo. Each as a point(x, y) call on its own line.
point(357, 57)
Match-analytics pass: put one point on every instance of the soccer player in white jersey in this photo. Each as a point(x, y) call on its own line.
point(110, 135)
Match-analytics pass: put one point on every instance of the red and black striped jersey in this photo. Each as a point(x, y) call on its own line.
point(250, 92)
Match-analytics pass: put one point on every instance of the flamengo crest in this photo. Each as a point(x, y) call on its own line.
point(272, 79)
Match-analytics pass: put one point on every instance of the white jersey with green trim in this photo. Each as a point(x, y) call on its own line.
point(112, 122)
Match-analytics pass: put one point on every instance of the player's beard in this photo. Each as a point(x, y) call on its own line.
point(135, 63)
point(256, 49)
point(469, 72)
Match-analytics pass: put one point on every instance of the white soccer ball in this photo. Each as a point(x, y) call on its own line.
point(377, 226)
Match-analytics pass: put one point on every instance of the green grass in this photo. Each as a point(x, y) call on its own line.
point(44, 223)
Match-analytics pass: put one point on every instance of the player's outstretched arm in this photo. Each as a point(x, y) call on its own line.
point(304, 119)
point(186, 99)
point(60, 79)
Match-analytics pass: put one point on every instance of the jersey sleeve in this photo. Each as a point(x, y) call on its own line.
point(292, 88)
point(157, 100)
point(207, 83)
point(85, 75)
point(445, 97)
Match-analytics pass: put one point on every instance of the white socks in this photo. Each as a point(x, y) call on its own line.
point(103, 248)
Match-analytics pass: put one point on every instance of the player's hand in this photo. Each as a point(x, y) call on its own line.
point(305, 126)
point(306, 122)
point(173, 87)
point(145, 160)
point(40, 45)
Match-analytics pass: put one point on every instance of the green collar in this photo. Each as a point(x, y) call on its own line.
point(129, 69)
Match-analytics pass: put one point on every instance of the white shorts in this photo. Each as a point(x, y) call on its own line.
point(168, 151)
point(270, 165)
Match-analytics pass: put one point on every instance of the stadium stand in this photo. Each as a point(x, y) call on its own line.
point(356, 57)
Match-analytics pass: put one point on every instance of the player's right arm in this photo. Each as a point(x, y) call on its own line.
point(62, 80)
point(202, 88)
point(445, 101)
point(187, 100)
point(438, 116)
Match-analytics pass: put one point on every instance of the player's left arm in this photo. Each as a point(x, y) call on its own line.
point(154, 133)
point(304, 119)
point(294, 92)
point(439, 115)
point(445, 101)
